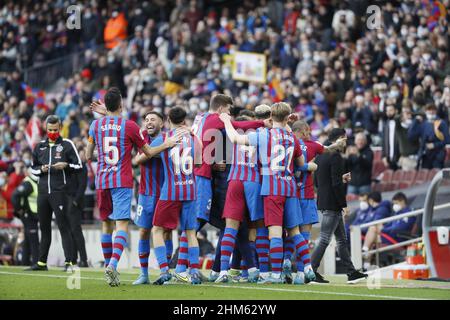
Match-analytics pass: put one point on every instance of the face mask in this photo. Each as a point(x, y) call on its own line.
point(404, 32)
point(393, 94)
point(431, 116)
point(363, 205)
point(396, 207)
point(203, 105)
point(53, 135)
point(27, 162)
point(410, 44)
point(402, 60)
point(406, 123)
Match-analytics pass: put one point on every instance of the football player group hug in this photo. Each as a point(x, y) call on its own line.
point(268, 193)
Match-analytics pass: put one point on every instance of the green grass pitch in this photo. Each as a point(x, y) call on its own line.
point(18, 284)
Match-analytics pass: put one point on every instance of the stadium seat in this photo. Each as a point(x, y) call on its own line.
point(432, 173)
point(409, 177)
point(388, 186)
point(351, 197)
point(376, 186)
point(387, 175)
point(376, 155)
point(377, 168)
point(398, 176)
point(421, 176)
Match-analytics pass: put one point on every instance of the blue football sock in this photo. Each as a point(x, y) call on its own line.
point(194, 255)
point(227, 247)
point(144, 251)
point(182, 262)
point(120, 242)
point(262, 248)
point(276, 255)
point(161, 257)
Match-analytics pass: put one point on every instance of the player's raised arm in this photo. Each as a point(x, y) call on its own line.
point(338, 145)
point(99, 107)
point(232, 134)
point(169, 142)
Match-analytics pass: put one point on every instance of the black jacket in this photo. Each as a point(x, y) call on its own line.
point(62, 151)
point(361, 167)
point(77, 184)
point(386, 143)
point(331, 190)
point(19, 200)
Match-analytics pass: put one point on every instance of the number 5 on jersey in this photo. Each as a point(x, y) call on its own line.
point(111, 150)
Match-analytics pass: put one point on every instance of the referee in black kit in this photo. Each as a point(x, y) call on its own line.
point(54, 159)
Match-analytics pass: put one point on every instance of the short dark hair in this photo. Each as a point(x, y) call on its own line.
point(400, 196)
point(113, 99)
point(335, 134)
point(375, 196)
point(158, 114)
point(52, 119)
point(220, 100)
point(242, 118)
point(247, 113)
point(177, 115)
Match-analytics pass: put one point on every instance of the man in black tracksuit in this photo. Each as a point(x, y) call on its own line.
point(54, 159)
point(331, 179)
point(76, 187)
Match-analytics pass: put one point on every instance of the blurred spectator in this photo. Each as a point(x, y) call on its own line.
point(8, 184)
point(115, 29)
point(392, 232)
point(378, 209)
point(359, 162)
point(434, 135)
point(360, 215)
point(390, 147)
point(24, 200)
point(408, 148)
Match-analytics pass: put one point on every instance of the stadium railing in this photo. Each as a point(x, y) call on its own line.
point(43, 76)
point(355, 235)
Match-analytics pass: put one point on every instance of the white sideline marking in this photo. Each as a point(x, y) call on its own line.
point(239, 287)
point(322, 292)
point(64, 275)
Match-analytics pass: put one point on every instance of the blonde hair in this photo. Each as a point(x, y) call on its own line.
point(280, 111)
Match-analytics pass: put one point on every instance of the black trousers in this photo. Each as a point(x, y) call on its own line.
point(30, 253)
point(332, 223)
point(47, 204)
point(75, 214)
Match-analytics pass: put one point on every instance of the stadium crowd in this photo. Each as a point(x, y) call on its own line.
point(386, 86)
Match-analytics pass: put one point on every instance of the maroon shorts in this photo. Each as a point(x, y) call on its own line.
point(274, 210)
point(235, 206)
point(167, 214)
point(104, 203)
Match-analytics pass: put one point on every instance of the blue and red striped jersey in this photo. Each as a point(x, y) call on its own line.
point(178, 164)
point(244, 165)
point(277, 150)
point(115, 138)
point(310, 150)
point(152, 173)
point(206, 127)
